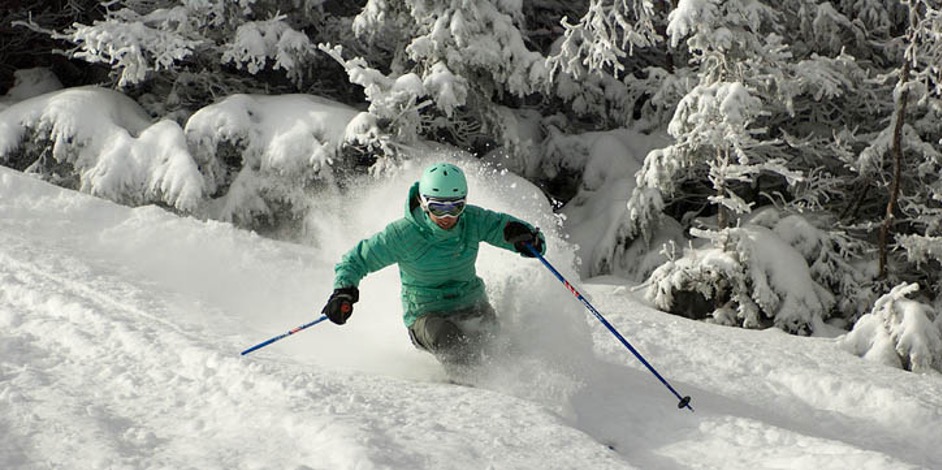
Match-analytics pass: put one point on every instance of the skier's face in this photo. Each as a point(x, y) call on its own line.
point(446, 223)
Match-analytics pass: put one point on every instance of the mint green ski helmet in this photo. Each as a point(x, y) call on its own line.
point(443, 180)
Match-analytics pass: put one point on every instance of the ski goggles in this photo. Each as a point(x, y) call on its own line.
point(444, 207)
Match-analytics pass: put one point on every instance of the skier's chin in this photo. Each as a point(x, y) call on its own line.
point(445, 223)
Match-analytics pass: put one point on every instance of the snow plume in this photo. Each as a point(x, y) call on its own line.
point(548, 338)
point(753, 277)
point(899, 332)
point(107, 141)
point(548, 329)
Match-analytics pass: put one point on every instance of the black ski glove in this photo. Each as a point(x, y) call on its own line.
point(519, 234)
point(340, 304)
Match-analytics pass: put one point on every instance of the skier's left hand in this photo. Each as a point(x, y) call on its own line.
point(521, 235)
point(340, 305)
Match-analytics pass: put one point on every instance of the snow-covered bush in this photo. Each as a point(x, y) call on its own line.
point(776, 255)
point(899, 332)
point(752, 277)
point(260, 154)
point(835, 260)
point(101, 142)
point(247, 159)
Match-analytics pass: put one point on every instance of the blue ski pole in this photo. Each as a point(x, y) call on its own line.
point(285, 335)
point(684, 401)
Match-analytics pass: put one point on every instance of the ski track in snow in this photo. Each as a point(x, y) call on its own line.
point(105, 366)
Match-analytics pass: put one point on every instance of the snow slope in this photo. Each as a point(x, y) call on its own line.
point(120, 333)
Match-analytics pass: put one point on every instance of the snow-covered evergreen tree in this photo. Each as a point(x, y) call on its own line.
point(751, 277)
point(395, 115)
point(773, 271)
point(717, 125)
point(899, 332)
point(721, 143)
point(607, 65)
point(469, 55)
point(909, 143)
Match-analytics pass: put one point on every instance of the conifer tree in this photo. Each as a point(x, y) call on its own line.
point(717, 125)
point(470, 57)
point(914, 210)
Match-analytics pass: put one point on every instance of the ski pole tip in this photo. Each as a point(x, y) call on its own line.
point(684, 403)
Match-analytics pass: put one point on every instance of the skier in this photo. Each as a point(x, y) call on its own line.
point(435, 244)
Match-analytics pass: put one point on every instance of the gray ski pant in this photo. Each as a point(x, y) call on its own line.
point(459, 337)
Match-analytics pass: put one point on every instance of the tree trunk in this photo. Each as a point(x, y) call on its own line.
point(897, 154)
point(722, 213)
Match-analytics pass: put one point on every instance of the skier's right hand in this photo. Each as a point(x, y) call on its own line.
point(521, 236)
point(340, 304)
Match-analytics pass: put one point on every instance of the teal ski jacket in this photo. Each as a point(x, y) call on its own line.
point(436, 266)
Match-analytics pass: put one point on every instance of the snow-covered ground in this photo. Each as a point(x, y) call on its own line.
point(120, 333)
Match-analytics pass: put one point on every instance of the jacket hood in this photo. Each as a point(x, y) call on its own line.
point(412, 201)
